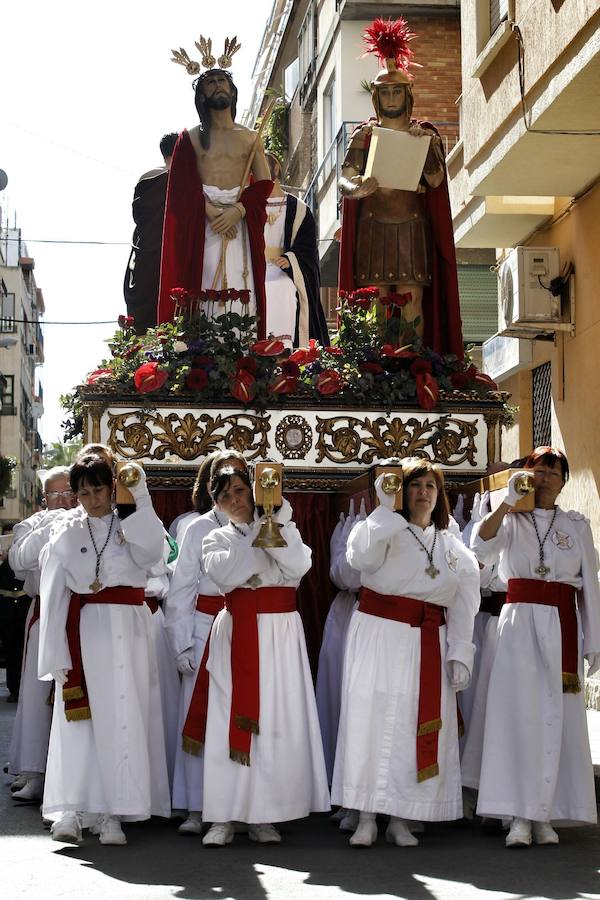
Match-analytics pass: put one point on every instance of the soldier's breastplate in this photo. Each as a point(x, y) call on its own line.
point(393, 240)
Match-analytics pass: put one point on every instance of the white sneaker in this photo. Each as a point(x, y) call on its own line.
point(264, 834)
point(350, 821)
point(544, 833)
point(366, 833)
point(519, 834)
point(19, 782)
point(67, 829)
point(219, 834)
point(398, 833)
point(111, 833)
point(192, 825)
point(32, 791)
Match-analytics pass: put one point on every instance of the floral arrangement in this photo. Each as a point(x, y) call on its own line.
point(209, 351)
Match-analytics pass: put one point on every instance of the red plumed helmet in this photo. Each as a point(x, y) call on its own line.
point(389, 41)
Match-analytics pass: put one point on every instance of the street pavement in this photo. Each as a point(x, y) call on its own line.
point(456, 861)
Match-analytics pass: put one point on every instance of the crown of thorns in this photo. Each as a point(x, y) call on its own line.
point(208, 61)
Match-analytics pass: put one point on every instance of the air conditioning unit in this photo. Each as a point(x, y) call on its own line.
point(524, 296)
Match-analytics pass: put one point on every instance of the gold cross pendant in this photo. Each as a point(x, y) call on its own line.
point(96, 586)
point(432, 571)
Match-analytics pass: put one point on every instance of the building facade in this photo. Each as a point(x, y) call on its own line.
point(22, 351)
point(526, 172)
point(312, 52)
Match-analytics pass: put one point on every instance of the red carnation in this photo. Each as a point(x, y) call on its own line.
point(98, 375)
point(243, 386)
point(196, 379)
point(246, 364)
point(428, 391)
point(270, 347)
point(329, 382)
point(149, 378)
point(421, 367)
point(180, 296)
point(303, 356)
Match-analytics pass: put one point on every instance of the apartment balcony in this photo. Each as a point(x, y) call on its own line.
point(510, 175)
point(373, 9)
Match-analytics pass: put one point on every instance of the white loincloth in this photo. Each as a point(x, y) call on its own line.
point(234, 261)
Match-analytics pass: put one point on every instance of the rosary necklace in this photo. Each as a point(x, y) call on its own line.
point(542, 570)
point(96, 584)
point(220, 524)
point(431, 569)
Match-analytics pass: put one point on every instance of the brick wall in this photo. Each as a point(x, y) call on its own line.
point(438, 84)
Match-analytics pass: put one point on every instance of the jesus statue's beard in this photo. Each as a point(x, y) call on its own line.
point(219, 101)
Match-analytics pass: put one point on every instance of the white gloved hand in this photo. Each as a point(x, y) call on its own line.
point(513, 496)
point(139, 491)
point(185, 662)
point(386, 500)
point(351, 515)
point(362, 511)
point(458, 511)
point(458, 674)
point(60, 676)
point(593, 660)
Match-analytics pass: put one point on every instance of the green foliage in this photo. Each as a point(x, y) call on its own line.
point(60, 453)
point(275, 133)
point(7, 465)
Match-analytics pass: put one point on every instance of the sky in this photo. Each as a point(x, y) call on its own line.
point(88, 91)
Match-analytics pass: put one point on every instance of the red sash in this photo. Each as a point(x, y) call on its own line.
point(493, 603)
point(74, 691)
point(194, 729)
point(554, 593)
point(244, 605)
point(428, 617)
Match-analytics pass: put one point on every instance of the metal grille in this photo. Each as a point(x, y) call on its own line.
point(542, 405)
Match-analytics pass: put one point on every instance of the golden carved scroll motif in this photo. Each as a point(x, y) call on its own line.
point(137, 434)
point(446, 440)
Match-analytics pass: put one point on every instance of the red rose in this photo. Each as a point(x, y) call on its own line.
point(428, 391)
point(290, 368)
point(333, 351)
point(233, 294)
point(342, 294)
point(125, 321)
point(329, 382)
point(203, 362)
point(212, 295)
point(131, 351)
point(421, 367)
point(398, 352)
point(357, 302)
point(373, 368)
point(270, 347)
point(283, 384)
point(180, 296)
point(395, 299)
point(196, 379)
point(244, 297)
point(243, 386)
point(98, 375)
point(305, 355)
point(246, 364)
point(149, 378)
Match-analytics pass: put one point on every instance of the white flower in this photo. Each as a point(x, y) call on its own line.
point(180, 346)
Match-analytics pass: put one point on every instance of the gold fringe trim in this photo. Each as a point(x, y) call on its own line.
point(428, 727)
point(72, 693)
point(571, 683)
point(76, 715)
point(239, 756)
point(429, 772)
point(246, 724)
point(190, 745)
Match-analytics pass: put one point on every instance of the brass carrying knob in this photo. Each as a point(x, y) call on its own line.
point(525, 484)
point(269, 479)
point(129, 475)
point(391, 483)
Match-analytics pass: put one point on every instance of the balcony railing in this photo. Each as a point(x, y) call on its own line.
point(332, 162)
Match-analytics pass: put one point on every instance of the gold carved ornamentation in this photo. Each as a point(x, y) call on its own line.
point(446, 440)
point(137, 434)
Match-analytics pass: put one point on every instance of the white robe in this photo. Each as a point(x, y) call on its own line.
point(280, 290)
point(237, 259)
point(536, 755)
point(31, 730)
point(375, 763)
point(115, 762)
point(286, 778)
point(188, 628)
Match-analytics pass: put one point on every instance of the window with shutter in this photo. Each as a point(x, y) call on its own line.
point(498, 13)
